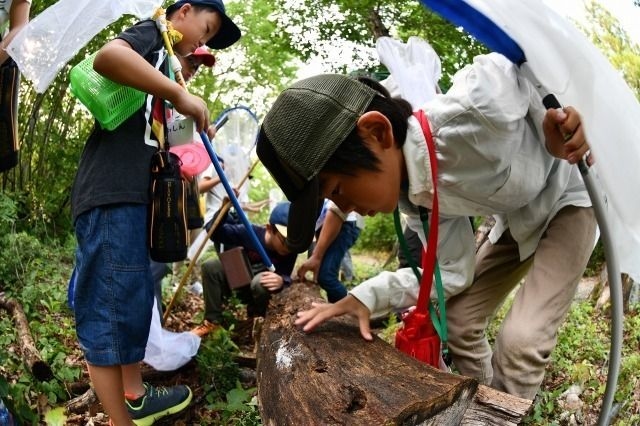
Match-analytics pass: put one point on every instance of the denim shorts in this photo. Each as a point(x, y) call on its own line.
point(113, 295)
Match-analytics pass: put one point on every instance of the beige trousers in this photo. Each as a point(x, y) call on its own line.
point(528, 333)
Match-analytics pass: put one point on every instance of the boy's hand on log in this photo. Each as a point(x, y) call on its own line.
point(321, 312)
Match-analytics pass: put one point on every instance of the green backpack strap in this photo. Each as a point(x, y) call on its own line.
point(439, 320)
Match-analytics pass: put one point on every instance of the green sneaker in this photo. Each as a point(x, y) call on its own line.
point(158, 402)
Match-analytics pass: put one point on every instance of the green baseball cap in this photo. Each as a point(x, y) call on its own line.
point(303, 128)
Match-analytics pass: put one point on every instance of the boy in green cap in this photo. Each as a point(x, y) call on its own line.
point(498, 151)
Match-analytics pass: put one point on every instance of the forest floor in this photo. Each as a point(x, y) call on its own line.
point(186, 315)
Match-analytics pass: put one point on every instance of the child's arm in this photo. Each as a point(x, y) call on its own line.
point(330, 229)
point(18, 18)
point(118, 62)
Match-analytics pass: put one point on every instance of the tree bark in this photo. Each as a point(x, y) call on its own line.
point(333, 376)
point(30, 355)
point(601, 296)
point(492, 407)
point(378, 29)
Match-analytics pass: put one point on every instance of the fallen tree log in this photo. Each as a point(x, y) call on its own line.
point(492, 407)
point(30, 356)
point(333, 376)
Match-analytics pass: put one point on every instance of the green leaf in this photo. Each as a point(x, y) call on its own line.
point(55, 417)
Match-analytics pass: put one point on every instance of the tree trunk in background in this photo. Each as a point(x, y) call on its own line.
point(378, 29)
point(601, 297)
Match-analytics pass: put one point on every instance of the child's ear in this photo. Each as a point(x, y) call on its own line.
point(185, 8)
point(375, 125)
point(181, 13)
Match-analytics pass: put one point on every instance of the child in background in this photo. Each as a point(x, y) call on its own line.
point(256, 296)
point(113, 297)
point(190, 65)
point(336, 233)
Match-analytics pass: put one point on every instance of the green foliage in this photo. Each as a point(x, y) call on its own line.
point(544, 409)
point(218, 370)
point(227, 401)
point(367, 266)
point(35, 274)
point(455, 47)
point(378, 234)
point(606, 33)
point(317, 24)
point(260, 186)
point(580, 357)
point(240, 407)
point(579, 327)
point(13, 397)
point(596, 260)
point(8, 213)
point(36, 242)
point(391, 326)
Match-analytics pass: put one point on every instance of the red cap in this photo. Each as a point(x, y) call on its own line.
point(205, 56)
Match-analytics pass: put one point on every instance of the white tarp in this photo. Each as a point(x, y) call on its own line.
point(53, 37)
point(572, 68)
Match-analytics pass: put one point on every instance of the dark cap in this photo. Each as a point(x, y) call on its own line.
point(280, 217)
point(228, 33)
point(303, 128)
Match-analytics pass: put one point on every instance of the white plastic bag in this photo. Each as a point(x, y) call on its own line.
point(167, 350)
point(414, 66)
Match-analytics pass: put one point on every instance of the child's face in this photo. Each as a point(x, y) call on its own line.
point(275, 241)
point(369, 191)
point(196, 27)
point(190, 65)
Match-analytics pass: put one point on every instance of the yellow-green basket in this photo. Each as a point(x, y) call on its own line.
point(110, 103)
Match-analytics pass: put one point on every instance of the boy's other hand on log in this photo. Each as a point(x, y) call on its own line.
point(321, 312)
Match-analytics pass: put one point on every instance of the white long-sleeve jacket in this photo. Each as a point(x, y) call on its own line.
point(492, 160)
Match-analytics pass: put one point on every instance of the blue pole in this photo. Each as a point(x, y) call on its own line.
point(234, 201)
